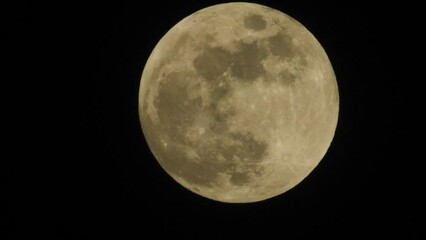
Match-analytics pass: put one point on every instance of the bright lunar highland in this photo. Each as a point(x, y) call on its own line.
point(238, 102)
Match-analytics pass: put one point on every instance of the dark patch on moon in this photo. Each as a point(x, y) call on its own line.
point(219, 118)
point(177, 112)
point(251, 150)
point(239, 178)
point(212, 62)
point(175, 109)
point(246, 63)
point(243, 157)
point(219, 92)
point(180, 44)
point(286, 78)
point(281, 45)
point(255, 22)
point(173, 158)
point(248, 153)
point(178, 162)
point(243, 154)
point(239, 157)
point(219, 89)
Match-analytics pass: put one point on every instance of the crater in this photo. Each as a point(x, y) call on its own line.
point(255, 22)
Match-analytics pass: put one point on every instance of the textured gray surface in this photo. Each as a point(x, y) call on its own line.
point(238, 102)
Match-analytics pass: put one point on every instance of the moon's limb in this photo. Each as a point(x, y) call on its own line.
point(238, 102)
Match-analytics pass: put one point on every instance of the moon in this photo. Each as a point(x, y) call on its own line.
point(238, 102)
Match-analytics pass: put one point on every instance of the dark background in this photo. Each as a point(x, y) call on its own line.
point(75, 163)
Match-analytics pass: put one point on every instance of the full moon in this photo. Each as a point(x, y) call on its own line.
point(238, 102)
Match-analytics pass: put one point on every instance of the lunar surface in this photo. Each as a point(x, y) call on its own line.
point(238, 102)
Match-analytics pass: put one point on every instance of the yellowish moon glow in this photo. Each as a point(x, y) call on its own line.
point(238, 102)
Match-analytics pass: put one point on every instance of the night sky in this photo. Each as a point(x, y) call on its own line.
point(76, 163)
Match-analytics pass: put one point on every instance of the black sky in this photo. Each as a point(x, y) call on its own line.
point(77, 164)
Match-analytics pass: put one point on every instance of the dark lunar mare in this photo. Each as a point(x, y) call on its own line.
point(177, 112)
